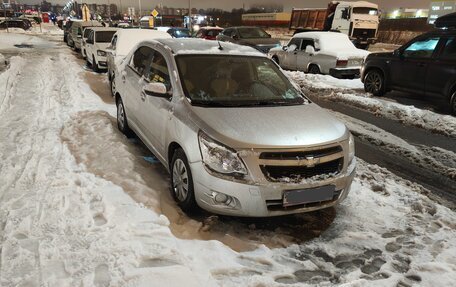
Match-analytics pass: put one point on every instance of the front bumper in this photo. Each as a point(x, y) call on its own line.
point(346, 72)
point(262, 200)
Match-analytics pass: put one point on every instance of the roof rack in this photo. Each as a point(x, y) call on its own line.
point(446, 21)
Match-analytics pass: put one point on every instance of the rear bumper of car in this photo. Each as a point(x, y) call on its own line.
point(347, 72)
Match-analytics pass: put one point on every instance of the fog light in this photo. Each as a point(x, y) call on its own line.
point(225, 200)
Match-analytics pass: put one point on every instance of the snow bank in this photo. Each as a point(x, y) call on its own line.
point(323, 81)
point(347, 91)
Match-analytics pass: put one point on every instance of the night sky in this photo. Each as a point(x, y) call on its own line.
point(228, 5)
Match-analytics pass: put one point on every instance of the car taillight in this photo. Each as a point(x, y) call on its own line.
point(342, 63)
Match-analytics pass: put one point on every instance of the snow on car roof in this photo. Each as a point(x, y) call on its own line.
point(128, 38)
point(96, 29)
point(318, 35)
point(200, 46)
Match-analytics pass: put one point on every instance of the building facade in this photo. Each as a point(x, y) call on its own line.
point(439, 8)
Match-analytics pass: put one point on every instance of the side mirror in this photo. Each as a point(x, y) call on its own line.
point(156, 90)
point(292, 48)
point(310, 50)
point(285, 48)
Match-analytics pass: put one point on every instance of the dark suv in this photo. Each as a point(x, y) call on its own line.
point(249, 36)
point(425, 65)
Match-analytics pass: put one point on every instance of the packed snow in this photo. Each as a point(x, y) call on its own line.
point(80, 206)
point(351, 92)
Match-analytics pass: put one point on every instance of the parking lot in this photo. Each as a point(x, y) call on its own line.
point(83, 205)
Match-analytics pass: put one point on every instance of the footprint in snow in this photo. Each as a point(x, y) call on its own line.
point(102, 277)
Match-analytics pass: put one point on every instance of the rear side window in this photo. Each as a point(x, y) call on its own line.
point(307, 42)
point(421, 48)
point(140, 61)
point(449, 52)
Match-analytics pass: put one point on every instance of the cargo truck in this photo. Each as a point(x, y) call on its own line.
point(358, 19)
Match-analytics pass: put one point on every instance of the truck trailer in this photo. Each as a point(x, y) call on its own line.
point(358, 19)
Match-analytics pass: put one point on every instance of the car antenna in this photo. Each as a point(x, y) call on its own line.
point(220, 45)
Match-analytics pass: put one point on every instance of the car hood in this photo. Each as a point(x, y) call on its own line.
point(258, 41)
point(381, 55)
point(269, 127)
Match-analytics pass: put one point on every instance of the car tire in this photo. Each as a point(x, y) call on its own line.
point(374, 83)
point(122, 122)
point(94, 65)
point(276, 59)
point(112, 85)
point(314, 69)
point(181, 181)
point(453, 104)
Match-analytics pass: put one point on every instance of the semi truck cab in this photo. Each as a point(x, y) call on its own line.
point(359, 20)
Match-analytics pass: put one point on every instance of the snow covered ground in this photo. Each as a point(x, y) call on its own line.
point(80, 206)
point(351, 92)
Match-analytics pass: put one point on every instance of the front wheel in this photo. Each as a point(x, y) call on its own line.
point(95, 65)
point(453, 104)
point(182, 182)
point(113, 86)
point(374, 83)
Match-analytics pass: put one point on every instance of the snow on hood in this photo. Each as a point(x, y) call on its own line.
point(283, 126)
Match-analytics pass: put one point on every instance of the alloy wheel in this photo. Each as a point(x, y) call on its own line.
point(180, 180)
point(373, 82)
point(120, 115)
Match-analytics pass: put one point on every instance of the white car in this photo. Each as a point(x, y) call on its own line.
point(85, 35)
point(121, 44)
point(320, 53)
point(95, 49)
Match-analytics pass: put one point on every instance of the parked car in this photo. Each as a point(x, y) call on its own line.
point(237, 136)
point(122, 43)
point(321, 53)
point(425, 65)
point(85, 34)
point(96, 44)
point(15, 23)
point(175, 32)
point(208, 33)
point(75, 32)
point(249, 36)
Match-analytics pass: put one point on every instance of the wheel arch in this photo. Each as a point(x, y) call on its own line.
point(172, 147)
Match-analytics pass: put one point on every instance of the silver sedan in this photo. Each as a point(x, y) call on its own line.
point(237, 136)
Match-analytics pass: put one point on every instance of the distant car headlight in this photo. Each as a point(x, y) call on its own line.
point(351, 148)
point(220, 158)
point(101, 53)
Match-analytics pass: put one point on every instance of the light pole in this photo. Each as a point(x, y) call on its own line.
point(190, 26)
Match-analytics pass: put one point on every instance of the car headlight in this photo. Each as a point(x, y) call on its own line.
point(101, 53)
point(351, 148)
point(220, 158)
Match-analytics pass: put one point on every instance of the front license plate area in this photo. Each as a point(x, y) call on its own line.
point(311, 195)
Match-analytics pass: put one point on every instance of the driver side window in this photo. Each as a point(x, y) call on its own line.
point(296, 42)
point(423, 48)
point(140, 61)
point(159, 72)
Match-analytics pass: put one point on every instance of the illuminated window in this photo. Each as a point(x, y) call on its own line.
point(448, 8)
point(435, 8)
point(431, 22)
point(433, 16)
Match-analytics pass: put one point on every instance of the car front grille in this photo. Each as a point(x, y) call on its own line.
point(364, 33)
point(300, 165)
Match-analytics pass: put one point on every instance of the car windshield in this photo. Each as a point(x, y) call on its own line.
point(235, 81)
point(365, 10)
point(252, 33)
point(181, 33)
point(104, 36)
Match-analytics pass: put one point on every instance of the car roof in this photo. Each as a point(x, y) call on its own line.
point(96, 29)
point(199, 46)
point(317, 35)
point(128, 38)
